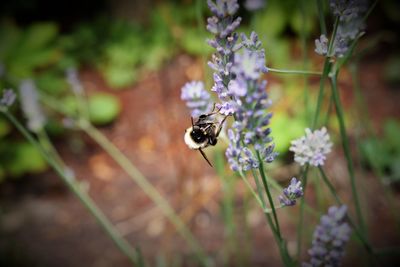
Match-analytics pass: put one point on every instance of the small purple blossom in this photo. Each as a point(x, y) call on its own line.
point(312, 148)
point(351, 25)
point(8, 98)
point(330, 238)
point(321, 45)
point(30, 105)
point(291, 193)
point(197, 99)
point(254, 5)
point(73, 80)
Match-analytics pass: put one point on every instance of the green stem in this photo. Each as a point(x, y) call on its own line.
point(269, 196)
point(256, 196)
point(301, 219)
point(321, 17)
point(329, 185)
point(247, 183)
point(346, 148)
point(147, 187)
point(300, 72)
point(281, 244)
point(325, 73)
point(75, 187)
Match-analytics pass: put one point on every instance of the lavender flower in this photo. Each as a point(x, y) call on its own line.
point(30, 105)
point(197, 98)
point(8, 99)
point(330, 238)
point(238, 67)
point(321, 45)
point(312, 148)
point(291, 193)
point(254, 5)
point(74, 82)
point(350, 14)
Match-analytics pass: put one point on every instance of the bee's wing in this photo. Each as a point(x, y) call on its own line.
point(205, 157)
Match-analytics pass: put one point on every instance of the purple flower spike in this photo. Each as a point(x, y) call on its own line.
point(330, 238)
point(351, 24)
point(30, 105)
point(8, 98)
point(291, 193)
point(197, 98)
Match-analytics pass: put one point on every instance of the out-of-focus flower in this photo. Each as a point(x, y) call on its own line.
point(74, 82)
point(254, 5)
point(321, 45)
point(312, 148)
point(330, 238)
point(30, 105)
point(197, 99)
point(291, 193)
point(351, 24)
point(7, 99)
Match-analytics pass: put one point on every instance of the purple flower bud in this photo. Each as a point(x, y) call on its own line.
point(30, 105)
point(291, 193)
point(8, 98)
point(330, 238)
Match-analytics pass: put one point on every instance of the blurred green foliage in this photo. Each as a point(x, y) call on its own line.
point(382, 154)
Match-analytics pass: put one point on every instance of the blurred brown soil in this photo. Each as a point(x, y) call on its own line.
point(43, 224)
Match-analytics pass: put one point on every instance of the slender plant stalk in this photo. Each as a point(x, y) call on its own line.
point(281, 242)
point(346, 148)
point(227, 208)
point(321, 17)
point(257, 196)
point(269, 196)
point(301, 216)
point(325, 73)
point(147, 187)
point(300, 72)
point(86, 200)
point(304, 46)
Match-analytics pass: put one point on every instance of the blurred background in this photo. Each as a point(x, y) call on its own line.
point(132, 59)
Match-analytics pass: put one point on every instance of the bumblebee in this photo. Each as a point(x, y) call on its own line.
point(204, 132)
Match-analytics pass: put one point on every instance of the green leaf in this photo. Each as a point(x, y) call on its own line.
point(271, 21)
point(119, 76)
point(38, 36)
point(25, 158)
point(5, 127)
point(193, 41)
point(391, 70)
point(282, 137)
point(103, 108)
point(297, 20)
point(391, 131)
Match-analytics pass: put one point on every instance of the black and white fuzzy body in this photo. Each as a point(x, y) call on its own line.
point(203, 133)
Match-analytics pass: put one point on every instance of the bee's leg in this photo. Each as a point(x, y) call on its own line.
point(205, 157)
point(213, 111)
point(220, 126)
point(192, 121)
